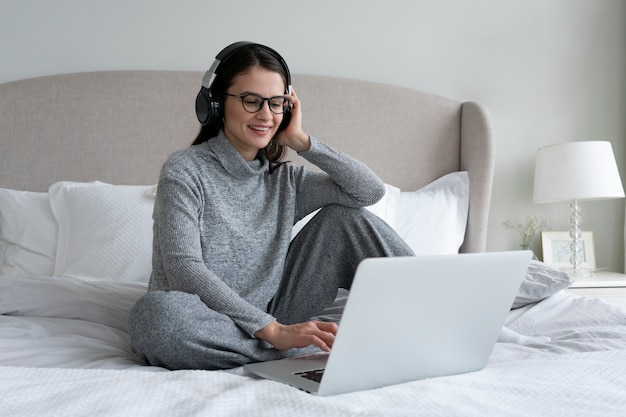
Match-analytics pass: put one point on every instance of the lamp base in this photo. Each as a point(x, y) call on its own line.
point(576, 245)
point(581, 273)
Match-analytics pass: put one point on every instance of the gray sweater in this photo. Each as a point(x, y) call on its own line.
point(222, 225)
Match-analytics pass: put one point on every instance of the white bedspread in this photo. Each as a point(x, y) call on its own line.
point(52, 326)
point(583, 384)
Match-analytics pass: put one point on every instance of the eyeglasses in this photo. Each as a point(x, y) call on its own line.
point(253, 103)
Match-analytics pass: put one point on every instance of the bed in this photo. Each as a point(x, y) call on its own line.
point(80, 155)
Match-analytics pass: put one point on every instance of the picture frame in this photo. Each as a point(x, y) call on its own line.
point(557, 252)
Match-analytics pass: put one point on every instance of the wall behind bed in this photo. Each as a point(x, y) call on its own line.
point(548, 70)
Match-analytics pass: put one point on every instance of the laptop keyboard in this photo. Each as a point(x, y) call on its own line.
point(314, 375)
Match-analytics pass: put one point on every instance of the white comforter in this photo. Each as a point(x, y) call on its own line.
point(566, 355)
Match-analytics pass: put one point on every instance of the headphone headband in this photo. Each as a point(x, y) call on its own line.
point(208, 107)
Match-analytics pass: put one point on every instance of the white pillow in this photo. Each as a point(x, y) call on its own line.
point(28, 233)
point(541, 281)
point(105, 231)
point(432, 220)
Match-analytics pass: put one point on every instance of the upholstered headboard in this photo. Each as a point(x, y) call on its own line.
point(119, 126)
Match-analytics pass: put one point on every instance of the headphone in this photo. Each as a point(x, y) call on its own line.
point(209, 109)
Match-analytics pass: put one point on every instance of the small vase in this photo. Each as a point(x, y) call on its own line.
point(527, 247)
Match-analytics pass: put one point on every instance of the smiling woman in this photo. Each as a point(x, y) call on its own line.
point(226, 273)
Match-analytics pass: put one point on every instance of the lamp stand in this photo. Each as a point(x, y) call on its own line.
point(576, 245)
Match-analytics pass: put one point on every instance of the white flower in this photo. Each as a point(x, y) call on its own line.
point(529, 229)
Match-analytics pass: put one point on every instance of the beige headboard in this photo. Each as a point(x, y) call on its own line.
point(119, 126)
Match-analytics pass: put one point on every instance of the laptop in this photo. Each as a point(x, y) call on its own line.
point(409, 318)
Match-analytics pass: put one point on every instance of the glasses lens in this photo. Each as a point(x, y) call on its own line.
point(278, 104)
point(252, 103)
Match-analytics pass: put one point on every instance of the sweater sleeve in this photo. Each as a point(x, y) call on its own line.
point(344, 180)
point(179, 258)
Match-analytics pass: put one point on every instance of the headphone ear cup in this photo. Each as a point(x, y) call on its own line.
point(208, 108)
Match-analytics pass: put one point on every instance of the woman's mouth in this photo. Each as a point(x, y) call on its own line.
point(260, 129)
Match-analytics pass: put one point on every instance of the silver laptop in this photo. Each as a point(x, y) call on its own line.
point(409, 318)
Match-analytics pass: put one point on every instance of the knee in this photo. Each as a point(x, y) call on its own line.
point(359, 227)
point(176, 330)
point(154, 311)
point(156, 324)
point(350, 218)
point(336, 212)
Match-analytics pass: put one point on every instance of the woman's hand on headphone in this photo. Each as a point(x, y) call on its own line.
point(292, 135)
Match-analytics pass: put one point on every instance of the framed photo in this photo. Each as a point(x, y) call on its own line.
point(557, 251)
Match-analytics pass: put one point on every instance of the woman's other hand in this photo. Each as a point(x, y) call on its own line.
point(283, 337)
point(293, 136)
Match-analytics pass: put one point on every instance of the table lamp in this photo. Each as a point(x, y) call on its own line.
point(576, 171)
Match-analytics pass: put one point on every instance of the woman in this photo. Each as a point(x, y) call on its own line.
point(228, 287)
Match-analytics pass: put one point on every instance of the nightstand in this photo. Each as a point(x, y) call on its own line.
point(610, 286)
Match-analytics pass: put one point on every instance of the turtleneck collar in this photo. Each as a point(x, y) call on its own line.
point(232, 160)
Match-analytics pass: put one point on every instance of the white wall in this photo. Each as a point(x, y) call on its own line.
point(548, 70)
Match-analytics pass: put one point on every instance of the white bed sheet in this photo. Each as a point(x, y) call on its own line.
point(52, 326)
point(579, 384)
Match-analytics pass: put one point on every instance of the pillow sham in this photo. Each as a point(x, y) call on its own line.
point(28, 233)
point(104, 231)
point(87, 224)
point(432, 220)
point(541, 281)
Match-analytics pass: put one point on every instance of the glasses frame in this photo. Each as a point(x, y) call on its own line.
point(242, 97)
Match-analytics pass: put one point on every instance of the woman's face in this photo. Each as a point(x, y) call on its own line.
point(249, 132)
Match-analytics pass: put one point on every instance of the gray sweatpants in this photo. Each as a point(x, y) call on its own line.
point(176, 330)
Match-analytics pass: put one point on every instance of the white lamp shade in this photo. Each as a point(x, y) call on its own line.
point(576, 170)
